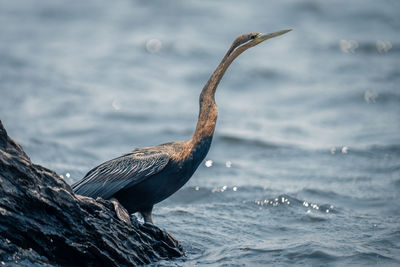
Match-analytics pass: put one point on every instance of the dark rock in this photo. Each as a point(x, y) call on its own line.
point(42, 222)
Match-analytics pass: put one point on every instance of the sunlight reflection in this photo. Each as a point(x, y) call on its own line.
point(282, 200)
point(275, 202)
point(220, 189)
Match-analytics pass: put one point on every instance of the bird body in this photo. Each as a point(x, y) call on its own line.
point(146, 176)
point(174, 175)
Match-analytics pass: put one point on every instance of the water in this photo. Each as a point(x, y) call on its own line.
point(305, 164)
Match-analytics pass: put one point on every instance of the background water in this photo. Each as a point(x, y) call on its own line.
point(306, 156)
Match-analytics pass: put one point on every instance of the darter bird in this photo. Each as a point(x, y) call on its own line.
point(148, 175)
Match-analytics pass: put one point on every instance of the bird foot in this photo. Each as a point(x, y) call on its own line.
point(121, 212)
point(146, 214)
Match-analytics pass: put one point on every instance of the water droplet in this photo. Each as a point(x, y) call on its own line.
point(333, 150)
point(345, 149)
point(197, 188)
point(62, 176)
point(115, 105)
point(308, 211)
point(305, 204)
point(208, 163)
point(348, 46)
point(327, 211)
point(234, 188)
point(153, 46)
point(383, 46)
point(228, 164)
point(370, 97)
point(67, 175)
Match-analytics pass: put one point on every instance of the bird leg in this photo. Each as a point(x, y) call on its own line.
point(146, 214)
point(121, 212)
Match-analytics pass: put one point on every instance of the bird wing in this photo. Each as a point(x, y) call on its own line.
point(108, 178)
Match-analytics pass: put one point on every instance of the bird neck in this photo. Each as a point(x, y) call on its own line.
point(208, 109)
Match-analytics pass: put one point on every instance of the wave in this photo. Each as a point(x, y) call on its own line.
point(313, 253)
point(368, 258)
point(390, 153)
point(239, 140)
point(126, 117)
point(362, 150)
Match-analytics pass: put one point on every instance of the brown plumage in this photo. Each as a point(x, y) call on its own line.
point(146, 176)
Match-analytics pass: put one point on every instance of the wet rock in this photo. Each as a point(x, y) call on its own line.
point(42, 222)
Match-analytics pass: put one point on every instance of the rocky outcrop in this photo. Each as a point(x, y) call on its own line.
point(42, 222)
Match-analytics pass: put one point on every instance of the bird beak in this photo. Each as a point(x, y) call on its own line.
point(262, 37)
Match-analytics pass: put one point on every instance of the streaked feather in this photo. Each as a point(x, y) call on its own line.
point(108, 178)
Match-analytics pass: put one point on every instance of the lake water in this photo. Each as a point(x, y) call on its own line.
point(304, 168)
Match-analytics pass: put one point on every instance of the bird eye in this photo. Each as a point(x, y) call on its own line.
point(253, 37)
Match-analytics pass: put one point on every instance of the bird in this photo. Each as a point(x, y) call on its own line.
point(138, 180)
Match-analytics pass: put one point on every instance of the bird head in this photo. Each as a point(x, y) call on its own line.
point(245, 41)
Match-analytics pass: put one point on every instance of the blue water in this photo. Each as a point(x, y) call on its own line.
point(305, 163)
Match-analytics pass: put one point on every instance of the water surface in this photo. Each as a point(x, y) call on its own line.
point(305, 164)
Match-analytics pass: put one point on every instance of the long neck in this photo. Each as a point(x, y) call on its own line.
point(208, 109)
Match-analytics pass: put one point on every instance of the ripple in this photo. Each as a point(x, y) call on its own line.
point(313, 219)
point(368, 258)
point(315, 254)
